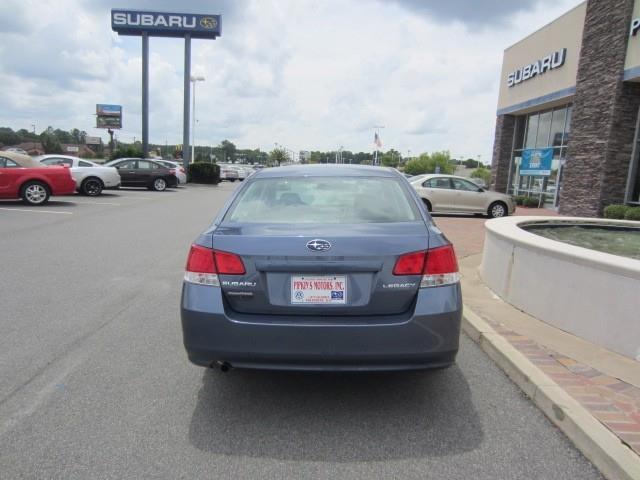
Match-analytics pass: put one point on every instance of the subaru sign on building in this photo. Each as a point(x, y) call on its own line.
point(162, 24)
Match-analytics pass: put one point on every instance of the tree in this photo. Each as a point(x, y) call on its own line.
point(429, 163)
point(483, 174)
point(125, 150)
point(50, 144)
point(471, 163)
point(390, 158)
point(8, 136)
point(228, 150)
point(278, 156)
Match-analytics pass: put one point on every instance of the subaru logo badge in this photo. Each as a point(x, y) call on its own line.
point(318, 245)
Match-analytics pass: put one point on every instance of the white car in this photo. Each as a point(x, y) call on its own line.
point(91, 178)
point(228, 173)
point(452, 194)
point(180, 174)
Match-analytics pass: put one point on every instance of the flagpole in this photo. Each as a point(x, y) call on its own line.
point(377, 142)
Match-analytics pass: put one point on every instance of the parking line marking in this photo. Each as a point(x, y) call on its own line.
point(89, 203)
point(35, 211)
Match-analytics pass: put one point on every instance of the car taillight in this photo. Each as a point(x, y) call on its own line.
point(410, 264)
point(438, 266)
point(204, 265)
point(181, 169)
point(228, 263)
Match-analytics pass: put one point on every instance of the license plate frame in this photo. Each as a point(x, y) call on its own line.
point(318, 289)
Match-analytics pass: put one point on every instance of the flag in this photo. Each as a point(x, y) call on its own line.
point(376, 140)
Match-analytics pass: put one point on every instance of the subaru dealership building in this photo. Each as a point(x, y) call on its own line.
point(567, 127)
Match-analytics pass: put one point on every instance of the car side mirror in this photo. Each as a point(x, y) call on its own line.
point(480, 189)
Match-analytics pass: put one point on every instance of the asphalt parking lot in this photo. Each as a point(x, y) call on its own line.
point(94, 381)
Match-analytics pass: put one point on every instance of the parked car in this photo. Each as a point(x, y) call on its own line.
point(91, 178)
point(451, 194)
point(227, 173)
point(139, 172)
point(25, 178)
point(180, 173)
point(322, 267)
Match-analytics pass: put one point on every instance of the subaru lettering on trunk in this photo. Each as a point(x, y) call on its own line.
point(264, 288)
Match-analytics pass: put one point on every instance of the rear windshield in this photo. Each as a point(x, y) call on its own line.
point(323, 200)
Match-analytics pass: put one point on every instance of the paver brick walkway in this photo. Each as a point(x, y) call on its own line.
point(615, 403)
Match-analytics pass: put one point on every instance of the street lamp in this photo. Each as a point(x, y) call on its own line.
point(194, 79)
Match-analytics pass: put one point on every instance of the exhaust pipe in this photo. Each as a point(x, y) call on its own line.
point(224, 366)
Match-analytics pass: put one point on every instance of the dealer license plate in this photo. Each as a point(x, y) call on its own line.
point(319, 290)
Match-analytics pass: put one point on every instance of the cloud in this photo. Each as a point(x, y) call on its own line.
point(472, 12)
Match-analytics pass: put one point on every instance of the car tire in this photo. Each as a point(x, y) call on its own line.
point(91, 187)
point(232, 179)
point(497, 210)
point(427, 204)
point(159, 184)
point(35, 193)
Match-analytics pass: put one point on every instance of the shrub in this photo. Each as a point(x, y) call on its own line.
point(615, 211)
point(201, 172)
point(519, 199)
point(633, 213)
point(531, 202)
point(126, 151)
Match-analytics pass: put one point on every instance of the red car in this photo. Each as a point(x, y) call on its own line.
point(22, 177)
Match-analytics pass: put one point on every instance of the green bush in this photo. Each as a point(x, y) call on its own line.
point(126, 151)
point(531, 202)
point(633, 213)
point(615, 211)
point(201, 172)
point(519, 199)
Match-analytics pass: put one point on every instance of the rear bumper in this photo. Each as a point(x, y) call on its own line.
point(64, 188)
point(428, 337)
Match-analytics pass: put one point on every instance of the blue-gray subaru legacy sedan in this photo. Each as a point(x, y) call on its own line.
point(322, 267)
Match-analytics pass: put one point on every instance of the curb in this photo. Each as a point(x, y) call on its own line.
point(606, 451)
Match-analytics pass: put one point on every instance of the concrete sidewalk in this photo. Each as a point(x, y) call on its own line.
point(604, 384)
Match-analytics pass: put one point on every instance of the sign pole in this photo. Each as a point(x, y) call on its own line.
point(186, 151)
point(145, 95)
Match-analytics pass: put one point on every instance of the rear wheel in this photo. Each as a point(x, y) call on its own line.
point(34, 193)
point(159, 185)
point(91, 187)
point(497, 210)
point(427, 204)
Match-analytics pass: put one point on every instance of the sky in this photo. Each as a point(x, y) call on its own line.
point(305, 74)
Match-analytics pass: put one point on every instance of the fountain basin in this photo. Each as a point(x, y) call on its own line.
point(590, 293)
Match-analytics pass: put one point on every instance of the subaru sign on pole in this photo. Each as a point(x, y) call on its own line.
point(536, 161)
point(164, 24)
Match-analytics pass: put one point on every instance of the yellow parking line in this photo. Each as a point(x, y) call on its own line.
point(35, 211)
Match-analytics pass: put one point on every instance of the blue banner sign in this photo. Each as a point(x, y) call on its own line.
point(536, 161)
point(163, 24)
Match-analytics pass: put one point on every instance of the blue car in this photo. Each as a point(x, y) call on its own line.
point(322, 268)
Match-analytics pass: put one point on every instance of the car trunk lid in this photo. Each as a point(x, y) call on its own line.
point(353, 277)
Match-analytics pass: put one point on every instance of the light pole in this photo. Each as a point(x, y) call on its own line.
point(194, 79)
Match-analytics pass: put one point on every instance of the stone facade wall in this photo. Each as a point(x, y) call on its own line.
point(604, 114)
point(502, 146)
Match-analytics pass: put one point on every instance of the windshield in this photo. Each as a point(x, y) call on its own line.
point(323, 200)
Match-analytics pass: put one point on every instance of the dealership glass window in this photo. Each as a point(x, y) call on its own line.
point(532, 131)
point(544, 127)
point(548, 128)
point(557, 127)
